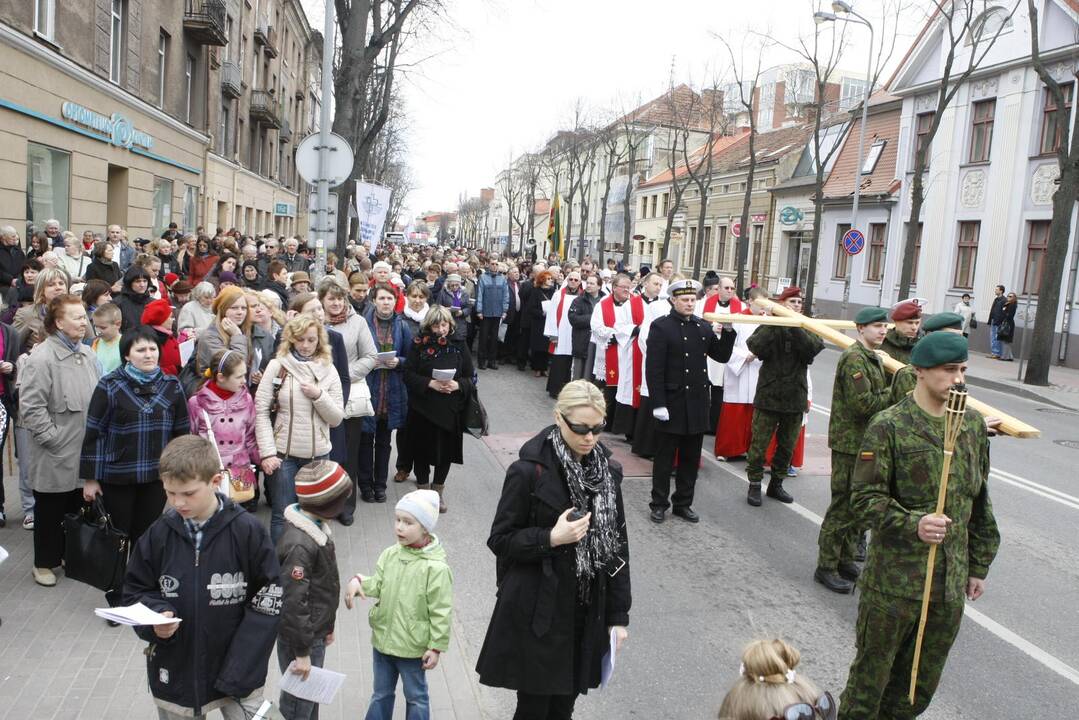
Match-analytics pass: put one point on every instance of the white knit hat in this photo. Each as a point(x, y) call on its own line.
point(422, 505)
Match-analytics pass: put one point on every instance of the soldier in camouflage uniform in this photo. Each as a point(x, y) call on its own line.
point(860, 391)
point(899, 341)
point(782, 397)
point(896, 481)
point(905, 378)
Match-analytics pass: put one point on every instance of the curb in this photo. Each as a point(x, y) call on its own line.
point(1009, 388)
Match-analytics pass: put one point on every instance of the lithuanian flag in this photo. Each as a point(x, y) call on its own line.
point(554, 228)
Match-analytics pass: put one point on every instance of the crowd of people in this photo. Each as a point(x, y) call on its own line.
point(154, 373)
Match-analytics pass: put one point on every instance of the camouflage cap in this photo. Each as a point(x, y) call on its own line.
point(943, 321)
point(939, 348)
point(869, 315)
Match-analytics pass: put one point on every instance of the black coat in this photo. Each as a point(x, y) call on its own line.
point(12, 350)
point(535, 317)
point(101, 270)
point(996, 312)
point(222, 647)
point(309, 579)
point(525, 290)
point(12, 259)
point(1006, 333)
point(444, 411)
point(676, 369)
point(531, 640)
point(580, 318)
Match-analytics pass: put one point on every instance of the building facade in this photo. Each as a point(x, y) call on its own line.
point(111, 108)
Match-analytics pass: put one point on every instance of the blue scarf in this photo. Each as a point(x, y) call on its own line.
point(297, 356)
point(139, 376)
point(70, 344)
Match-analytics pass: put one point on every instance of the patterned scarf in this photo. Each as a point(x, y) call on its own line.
point(384, 338)
point(592, 490)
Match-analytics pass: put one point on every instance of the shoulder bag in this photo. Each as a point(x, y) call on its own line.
point(95, 552)
point(237, 480)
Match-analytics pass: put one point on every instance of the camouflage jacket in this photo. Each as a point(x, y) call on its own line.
point(860, 391)
point(785, 354)
point(904, 381)
point(896, 480)
point(898, 346)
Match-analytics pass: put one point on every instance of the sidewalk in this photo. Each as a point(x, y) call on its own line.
point(1062, 392)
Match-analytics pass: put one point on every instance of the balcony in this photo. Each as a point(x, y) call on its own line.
point(204, 21)
point(266, 36)
point(264, 109)
point(230, 80)
point(284, 133)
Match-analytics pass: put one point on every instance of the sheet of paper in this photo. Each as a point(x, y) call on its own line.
point(137, 614)
point(186, 348)
point(386, 356)
point(607, 668)
point(446, 374)
point(3, 554)
point(320, 686)
point(545, 305)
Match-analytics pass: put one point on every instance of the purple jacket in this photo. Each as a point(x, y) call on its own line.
point(233, 423)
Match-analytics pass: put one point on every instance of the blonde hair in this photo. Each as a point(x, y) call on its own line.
point(580, 393)
point(768, 683)
point(45, 277)
point(436, 315)
point(269, 300)
point(296, 327)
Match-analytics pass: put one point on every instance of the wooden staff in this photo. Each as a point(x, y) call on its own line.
point(953, 424)
point(779, 321)
point(1009, 424)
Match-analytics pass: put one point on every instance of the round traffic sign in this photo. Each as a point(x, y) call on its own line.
point(853, 241)
point(736, 230)
point(339, 163)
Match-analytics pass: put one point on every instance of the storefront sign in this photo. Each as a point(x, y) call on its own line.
point(118, 129)
point(284, 208)
point(791, 216)
point(759, 218)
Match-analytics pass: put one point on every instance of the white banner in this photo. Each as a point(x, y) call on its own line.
point(372, 203)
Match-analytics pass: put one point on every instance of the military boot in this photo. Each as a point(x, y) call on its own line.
point(831, 580)
point(754, 497)
point(776, 491)
point(849, 571)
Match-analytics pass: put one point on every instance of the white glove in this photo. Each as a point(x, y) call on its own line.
point(661, 414)
point(717, 328)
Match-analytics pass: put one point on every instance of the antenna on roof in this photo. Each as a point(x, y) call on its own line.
point(670, 82)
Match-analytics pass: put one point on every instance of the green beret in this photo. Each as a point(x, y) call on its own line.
point(943, 321)
point(939, 348)
point(870, 315)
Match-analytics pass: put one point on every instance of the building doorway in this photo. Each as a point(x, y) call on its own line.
point(116, 199)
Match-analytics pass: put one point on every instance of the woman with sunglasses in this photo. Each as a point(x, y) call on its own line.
point(559, 536)
point(769, 687)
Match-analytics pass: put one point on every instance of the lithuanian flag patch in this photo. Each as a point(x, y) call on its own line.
point(865, 455)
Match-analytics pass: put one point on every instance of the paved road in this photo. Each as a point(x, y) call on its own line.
point(700, 592)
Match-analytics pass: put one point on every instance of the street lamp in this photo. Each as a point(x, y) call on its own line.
point(848, 15)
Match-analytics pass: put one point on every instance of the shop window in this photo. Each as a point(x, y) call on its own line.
point(48, 185)
point(841, 266)
point(966, 256)
point(191, 200)
point(162, 205)
point(45, 19)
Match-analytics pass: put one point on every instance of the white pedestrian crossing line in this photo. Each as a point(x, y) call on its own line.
point(1015, 640)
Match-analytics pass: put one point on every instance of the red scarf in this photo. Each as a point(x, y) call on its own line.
point(219, 391)
point(712, 303)
point(636, 309)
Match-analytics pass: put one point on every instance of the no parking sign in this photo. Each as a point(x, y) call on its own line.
point(853, 241)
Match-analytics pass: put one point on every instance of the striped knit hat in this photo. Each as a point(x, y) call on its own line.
point(322, 487)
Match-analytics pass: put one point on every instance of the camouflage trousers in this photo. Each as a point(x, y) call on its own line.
point(879, 677)
point(786, 427)
point(838, 539)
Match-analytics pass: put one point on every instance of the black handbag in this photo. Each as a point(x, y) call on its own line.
point(95, 552)
point(475, 415)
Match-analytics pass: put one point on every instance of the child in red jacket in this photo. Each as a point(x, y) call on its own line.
point(158, 315)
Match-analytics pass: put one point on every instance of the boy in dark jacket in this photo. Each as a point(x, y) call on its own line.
point(210, 564)
point(309, 576)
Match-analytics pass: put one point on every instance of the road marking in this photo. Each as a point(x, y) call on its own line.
point(1018, 642)
point(1068, 501)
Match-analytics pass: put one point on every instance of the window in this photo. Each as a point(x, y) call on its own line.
point(766, 105)
point(851, 92)
point(921, 134)
point(189, 79)
point(691, 256)
point(666, 203)
point(162, 205)
point(874, 267)
point(991, 23)
point(162, 54)
point(873, 156)
point(1053, 134)
point(841, 266)
point(758, 253)
point(228, 38)
point(48, 182)
point(966, 255)
point(116, 40)
point(981, 131)
point(722, 261)
point(1037, 247)
point(45, 18)
point(223, 145)
point(644, 208)
point(655, 199)
point(240, 59)
point(917, 252)
point(191, 200)
point(706, 257)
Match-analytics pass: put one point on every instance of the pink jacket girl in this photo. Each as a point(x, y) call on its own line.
point(230, 408)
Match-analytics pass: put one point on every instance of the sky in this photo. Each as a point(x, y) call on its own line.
point(495, 78)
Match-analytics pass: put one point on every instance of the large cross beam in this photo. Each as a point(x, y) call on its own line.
point(828, 330)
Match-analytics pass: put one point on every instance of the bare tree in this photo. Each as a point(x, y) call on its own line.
point(509, 184)
point(961, 34)
point(684, 107)
point(746, 76)
point(1067, 153)
point(614, 151)
point(699, 166)
point(583, 158)
point(634, 136)
point(529, 169)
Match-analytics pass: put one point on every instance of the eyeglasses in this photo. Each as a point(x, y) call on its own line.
point(824, 708)
point(581, 428)
point(728, 287)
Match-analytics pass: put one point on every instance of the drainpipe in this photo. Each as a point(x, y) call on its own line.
point(884, 270)
point(1069, 300)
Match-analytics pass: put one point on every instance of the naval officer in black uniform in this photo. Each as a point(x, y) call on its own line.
point(678, 385)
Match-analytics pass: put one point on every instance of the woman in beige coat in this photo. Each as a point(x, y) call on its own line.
point(302, 390)
point(55, 384)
